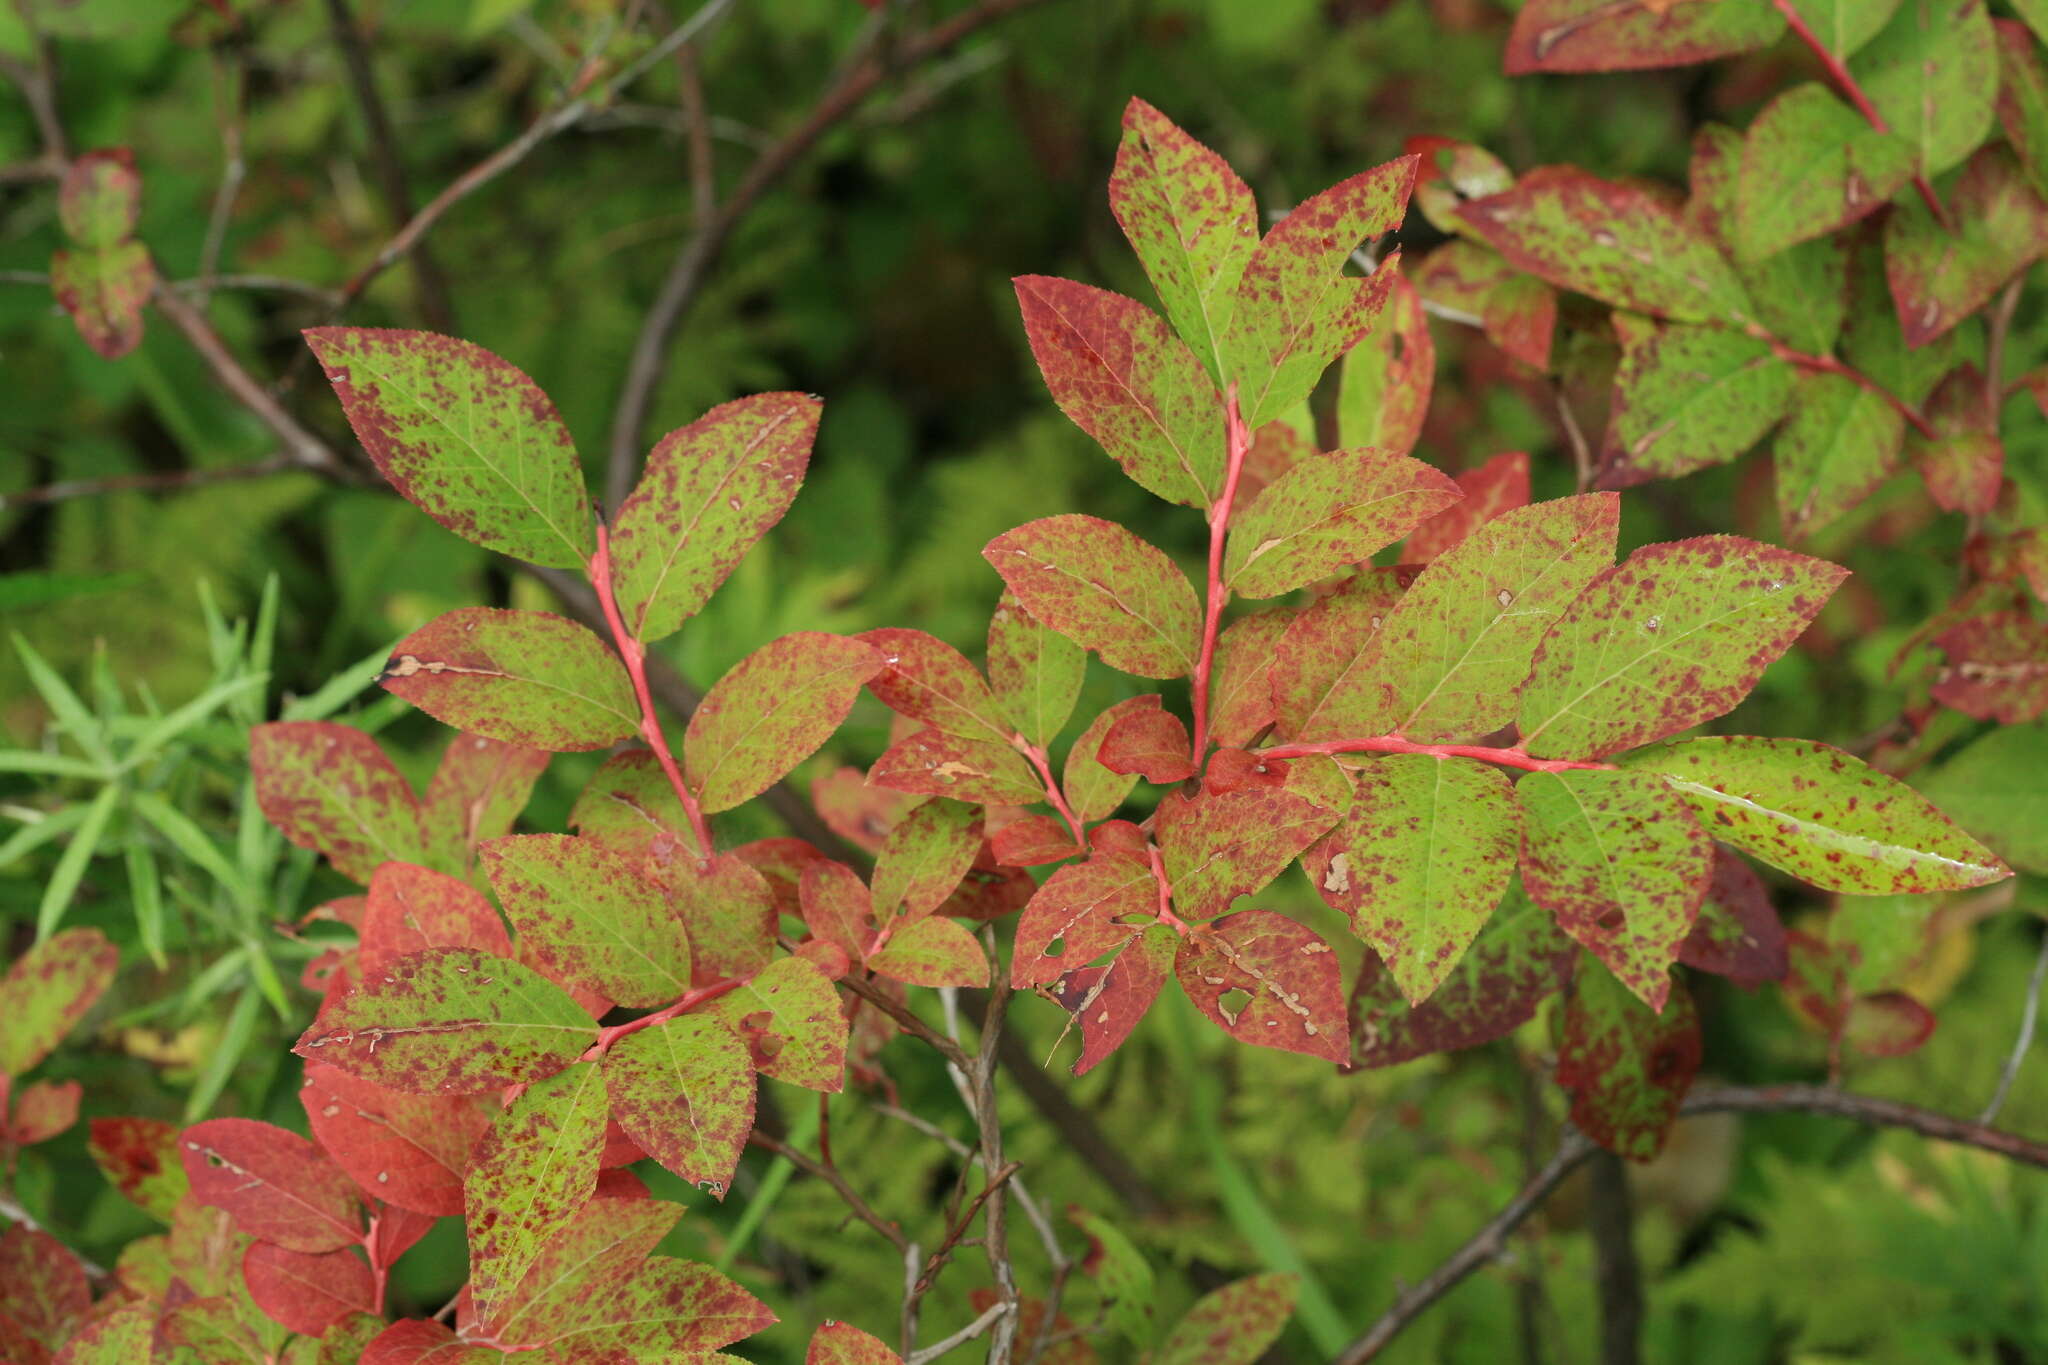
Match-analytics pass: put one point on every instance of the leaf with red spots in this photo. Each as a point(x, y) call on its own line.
point(837, 908)
point(1420, 862)
point(585, 914)
point(1233, 1325)
point(1627, 1067)
point(532, 1170)
point(662, 1309)
point(1107, 1002)
point(1150, 742)
point(629, 804)
point(43, 1287)
point(223, 1326)
point(1450, 172)
point(924, 679)
point(114, 1337)
point(1383, 391)
point(1458, 643)
point(923, 860)
point(1621, 862)
point(1517, 312)
point(1630, 35)
point(464, 436)
point(1963, 463)
point(841, 1343)
point(1497, 487)
point(1032, 841)
point(1294, 310)
point(599, 1245)
point(728, 914)
point(1115, 369)
point(48, 990)
point(1800, 292)
point(2023, 99)
point(523, 677)
point(1887, 1024)
point(140, 1158)
point(1932, 74)
point(1122, 1277)
point(932, 952)
point(770, 712)
point(476, 793)
point(1821, 814)
point(1083, 911)
point(1675, 635)
point(99, 199)
point(1105, 589)
point(1268, 981)
point(276, 1185)
point(329, 788)
point(308, 1293)
point(788, 1015)
point(1337, 509)
point(1688, 397)
point(934, 763)
point(1520, 958)
point(684, 1090)
point(1841, 442)
point(104, 291)
point(1219, 847)
point(709, 491)
point(451, 1021)
point(1738, 934)
point(408, 1150)
point(1939, 274)
point(1034, 670)
point(1810, 165)
point(1997, 668)
point(1615, 242)
point(410, 908)
point(1191, 220)
point(1091, 789)
point(1324, 679)
point(1240, 688)
point(422, 1341)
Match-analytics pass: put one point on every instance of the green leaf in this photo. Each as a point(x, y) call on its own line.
point(710, 490)
point(1090, 788)
point(589, 918)
point(770, 712)
point(1385, 381)
point(528, 1174)
point(1123, 1278)
point(48, 990)
point(1241, 689)
point(684, 1090)
point(932, 952)
point(1841, 442)
point(2035, 12)
point(104, 290)
point(1233, 1325)
point(451, 1021)
point(662, 1310)
point(478, 790)
point(1105, 589)
point(74, 718)
point(100, 197)
point(523, 677)
point(1627, 1067)
point(1845, 25)
point(1325, 675)
point(1993, 789)
point(1675, 635)
point(923, 860)
point(788, 1014)
point(1939, 275)
point(464, 436)
point(1327, 512)
point(1821, 814)
point(1801, 293)
point(1034, 670)
point(1811, 164)
point(1420, 862)
point(1621, 862)
point(1689, 397)
point(1933, 76)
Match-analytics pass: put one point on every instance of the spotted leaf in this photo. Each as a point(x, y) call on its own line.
point(523, 677)
point(329, 788)
point(1268, 981)
point(1105, 589)
point(1628, 1067)
point(770, 712)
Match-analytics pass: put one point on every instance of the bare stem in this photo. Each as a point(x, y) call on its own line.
point(1042, 764)
point(1238, 443)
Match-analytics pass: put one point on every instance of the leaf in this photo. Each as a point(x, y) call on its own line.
point(1233, 1325)
point(933, 763)
point(932, 952)
point(1519, 958)
point(451, 1021)
point(47, 990)
point(1191, 220)
point(1940, 276)
point(2023, 100)
point(1327, 512)
point(770, 712)
point(1105, 589)
point(140, 1157)
point(1628, 35)
point(1034, 670)
point(464, 436)
point(1458, 643)
point(662, 1310)
point(841, 1343)
point(1108, 1001)
point(1612, 241)
point(528, 1174)
point(329, 788)
point(1268, 981)
point(1517, 312)
point(1091, 789)
point(1993, 789)
point(1294, 310)
point(1738, 934)
point(1450, 172)
point(1115, 369)
point(99, 199)
point(42, 1111)
point(629, 804)
point(927, 680)
point(104, 290)
point(684, 1090)
point(1689, 397)
point(1122, 1277)
point(923, 860)
point(1932, 73)
point(1845, 25)
point(1385, 380)
point(1241, 689)
point(423, 1341)
point(1675, 635)
point(1151, 742)
point(306, 1293)
point(709, 491)
point(43, 1288)
point(1800, 292)
point(598, 1246)
point(1810, 165)
point(1997, 668)
point(1324, 678)
point(1032, 841)
point(1627, 1067)
point(728, 914)
point(1084, 911)
point(788, 1015)
point(837, 908)
point(277, 1186)
point(587, 916)
point(1420, 862)
point(1491, 490)
point(410, 908)
point(1217, 848)
point(1841, 442)
point(476, 793)
point(523, 677)
point(1821, 814)
point(408, 1150)
point(1620, 861)
point(112, 1338)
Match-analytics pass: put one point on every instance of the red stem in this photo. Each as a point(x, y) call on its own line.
point(1039, 760)
point(1394, 744)
point(1239, 444)
point(1166, 915)
point(634, 654)
point(607, 1036)
point(1830, 365)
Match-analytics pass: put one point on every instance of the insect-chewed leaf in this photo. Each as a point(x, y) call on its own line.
point(1105, 589)
point(710, 490)
point(408, 1150)
point(599, 1244)
point(1233, 1325)
point(1241, 690)
point(100, 197)
point(932, 952)
point(1626, 1066)
point(1940, 275)
point(1092, 789)
point(587, 915)
point(1458, 643)
point(1840, 443)
point(1614, 242)
point(451, 1021)
point(1337, 509)
point(1115, 369)
point(1217, 848)
point(104, 290)
point(841, 1343)
point(464, 436)
point(1324, 678)
point(1932, 74)
point(923, 860)
point(410, 908)
point(1420, 862)
point(1034, 671)
point(1083, 911)
point(307, 1293)
point(1675, 635)
point(535, 1167)
point(1821, 814)
point(661, 1309)
point(1150, 742)
point(1385, 380)
point(1491, 490)
point(476, 793)
point(1997, 668)
point(1738, 934)
point(788, 1015)
point(934, 763)
point(1993, 788)
point(1268, 981)
point(927, 680)
point(1621, 862)
point(1810, 165)
point(329, 788)
point(49, 989)
point(524, 677)
point(44, 1293)
point(684, 1090)
point(1108, 1001)
point(728, 913)
point(1687, 397)
point(1448, 173)
point(140, 1158)
point(1294, 309)
point(770, 712)
point(275, 1185)
point(2023, 98)
point(1191, 220)
point(1630, 35)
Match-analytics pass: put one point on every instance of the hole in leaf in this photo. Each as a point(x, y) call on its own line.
point(1232, 1003)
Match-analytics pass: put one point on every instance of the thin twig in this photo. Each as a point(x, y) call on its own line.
point(2030, 1015)
point(1994, 349)
point(38, 83)
point(1575, 435)
point(230, 88)
point(959, 1338)
point(280, 284)
point(831, 1175)
point(995, 1225)
point(171, 480)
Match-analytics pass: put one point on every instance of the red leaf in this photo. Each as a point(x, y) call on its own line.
point(1033, 842)
point(276, 1185)
point(728, 913)
point(1267, 981)
point(1151, 742)
point(410, 908)
point(408, 1150)
point(104, 291)
point(989, 892)
point(857, 812)
point(1237, 770)
point(929, 681)
point(1626, 1066)
point(1517, 312)
point(1887, 1024)
point(1241, 689)
point(423, 1342)
point(934, 763)
point(1083, 911)
point(1997, 668)
point(1738, 934)
point(43, 1110)
point(1941, 273)
point(43, 1287)
point(781, 863)
point(329, 788)
point(140, 1156)
point(1500, 485)
point(308, 1294)
point(837, 909)
point(1219, 847)
point(1320, 689)
point(1108, 1001)
point(477, 793)
point(1449, 172)
point(1091, 789)
point(1628, 35)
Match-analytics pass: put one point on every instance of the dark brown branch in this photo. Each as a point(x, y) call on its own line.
point(820, 1170)
point(173, 480)
point(1611, 1219)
